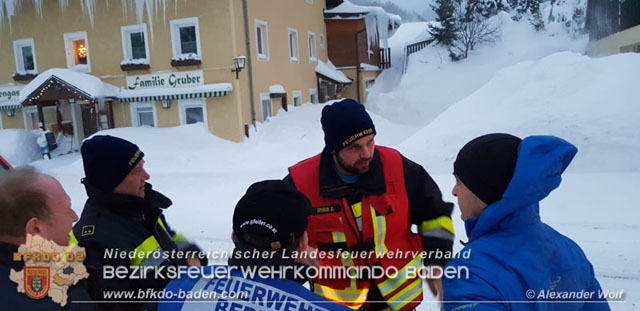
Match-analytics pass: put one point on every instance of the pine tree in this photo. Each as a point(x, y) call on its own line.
point(536, 16)
point(446, 33)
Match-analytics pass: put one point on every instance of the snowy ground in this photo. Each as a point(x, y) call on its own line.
point(519, 85)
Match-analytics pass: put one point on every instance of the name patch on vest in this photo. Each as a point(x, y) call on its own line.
point(325, 209)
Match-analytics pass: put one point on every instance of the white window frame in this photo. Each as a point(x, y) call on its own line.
point(69, 37)
point(134, 114)
point(127, 51)
point(265, 96)
point(313, 52)
point(183, 104)
point(321, 39)
point(311, 93)
point(295, 58)
point(368, 87)
point(265, 41)
point(175, 35)
point(298, 95)
point(17, 53)
point(310, 1)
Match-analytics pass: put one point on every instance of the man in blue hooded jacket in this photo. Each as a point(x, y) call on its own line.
point(516, 261)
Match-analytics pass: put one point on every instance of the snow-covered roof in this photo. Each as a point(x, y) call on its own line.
point(348, 9)
point(276, 89)
point(379, 24)
point(153, 94)
point(369, 67)
point(88, 84)
point(329, 70)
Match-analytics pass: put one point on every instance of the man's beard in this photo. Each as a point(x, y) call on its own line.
point(353, 169)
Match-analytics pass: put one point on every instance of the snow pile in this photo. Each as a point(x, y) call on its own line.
point(188, 56)
point(89, 84)
point(25, 72)
point(432, 82)
point(589, 102)
point(19, 147)
point(135, 61)
point(276, 89)
point(330, 71)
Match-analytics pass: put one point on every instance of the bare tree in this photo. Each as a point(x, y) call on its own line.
point(473, 29)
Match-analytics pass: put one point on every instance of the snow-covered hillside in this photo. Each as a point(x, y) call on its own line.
point(590, 102)
point(433, 83)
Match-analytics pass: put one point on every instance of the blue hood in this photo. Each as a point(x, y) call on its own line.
point(541, 161)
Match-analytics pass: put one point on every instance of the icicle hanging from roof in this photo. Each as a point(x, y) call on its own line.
point(38, 6)
point(89, 8)
point(63, 4)
point(10, 7)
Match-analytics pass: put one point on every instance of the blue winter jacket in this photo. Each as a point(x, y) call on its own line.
point(516, 261)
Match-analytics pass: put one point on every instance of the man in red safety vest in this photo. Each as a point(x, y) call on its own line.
point(370, 199)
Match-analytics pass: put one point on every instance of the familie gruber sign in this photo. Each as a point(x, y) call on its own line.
point(165, 80)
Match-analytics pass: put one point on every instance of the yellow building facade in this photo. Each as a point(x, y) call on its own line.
point(172, 63)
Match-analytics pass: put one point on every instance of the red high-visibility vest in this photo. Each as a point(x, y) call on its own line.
point(385, 221)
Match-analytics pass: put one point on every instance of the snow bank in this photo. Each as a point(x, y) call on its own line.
point(433, 83)
point(19, 147)
point(590, 102)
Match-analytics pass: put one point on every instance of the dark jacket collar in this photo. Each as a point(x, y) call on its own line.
point(6, 256)
point(331, 186)
point(153, 203)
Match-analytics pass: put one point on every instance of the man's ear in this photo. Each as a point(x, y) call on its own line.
point(304, 242)
point(33, 226)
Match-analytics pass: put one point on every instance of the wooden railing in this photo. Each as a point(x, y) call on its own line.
point(385, 58)
point(412, 48)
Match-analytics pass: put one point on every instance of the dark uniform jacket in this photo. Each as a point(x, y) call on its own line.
point(11, 299)
point(113, 223)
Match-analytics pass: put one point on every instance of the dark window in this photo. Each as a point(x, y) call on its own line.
point(194, 115)
point(138, 49)
point(188, 42)
point(260, 48)
point(27, 58)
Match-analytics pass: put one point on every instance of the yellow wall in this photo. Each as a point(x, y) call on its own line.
point(121, 115)
point(612, 44)
point(281, 15)
point(14, 122)
point(352, 90)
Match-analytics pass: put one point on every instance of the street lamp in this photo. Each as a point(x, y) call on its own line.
point(238, 64)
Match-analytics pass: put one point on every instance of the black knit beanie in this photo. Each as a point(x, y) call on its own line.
point(108, 160)
point(271, 215)
point(486, 165)
point(344, 122)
